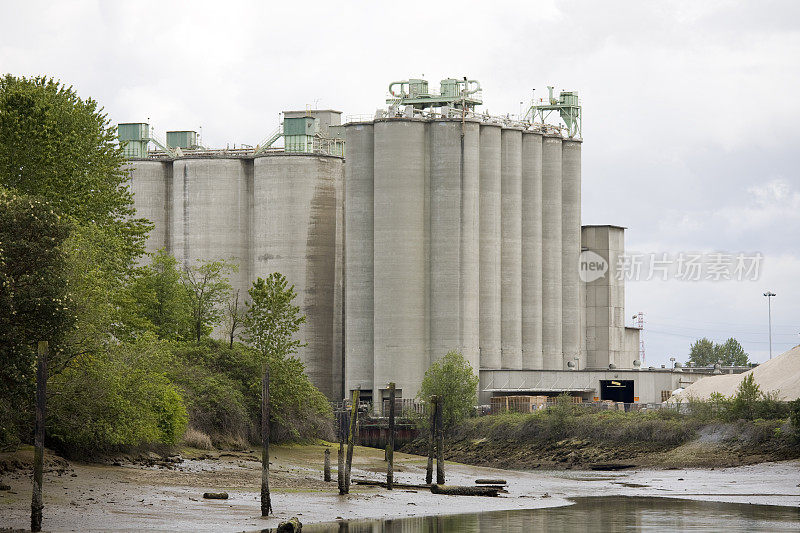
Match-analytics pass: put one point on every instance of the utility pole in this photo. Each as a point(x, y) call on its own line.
point(38, 456)
point(769, 295)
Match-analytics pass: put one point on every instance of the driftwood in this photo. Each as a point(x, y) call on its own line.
point(610, 466)
point(457, 490)
point(491, 482)
point(293, 525)
point(374, 483)
point(215, 495)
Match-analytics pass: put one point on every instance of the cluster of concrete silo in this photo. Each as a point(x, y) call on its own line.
point(276, 212)
point(461, 234)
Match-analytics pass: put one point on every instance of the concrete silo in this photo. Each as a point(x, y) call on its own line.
point(445, 237)
point(210, 212)
point(294, 233)
point(511, 248)
point(358, 257)
point(490, 246)
point(551, 254)
point(470, 244)
point(532, 251)
point(572, 326)
point(150, 183)
point(401, 336)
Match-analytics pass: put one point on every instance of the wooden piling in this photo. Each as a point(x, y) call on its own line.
point(439, 443)
point(38, 456)
point(266, 502)
point(431, 441)
point(390, 447)
point(351, 439)
point(327, 467)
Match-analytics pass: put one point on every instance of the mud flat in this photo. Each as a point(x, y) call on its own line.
point(167, 495)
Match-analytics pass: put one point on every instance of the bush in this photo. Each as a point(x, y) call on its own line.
point(223, 393)
point(117, 399)
point(197, 439)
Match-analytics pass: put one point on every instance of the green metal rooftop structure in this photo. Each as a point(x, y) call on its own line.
point(135, 136)
point(568, 106)
point(457, 93)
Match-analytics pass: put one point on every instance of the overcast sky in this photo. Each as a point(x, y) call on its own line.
point(690, 109)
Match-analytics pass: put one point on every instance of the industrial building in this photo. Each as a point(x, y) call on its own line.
point(425, 228)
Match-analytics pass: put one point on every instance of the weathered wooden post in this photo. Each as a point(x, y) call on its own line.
point(327, 467)
point(439, 443)
point(266, 502)
point(340, 471)
point(431, 441)
point(351, 439)
point(390, 446)
point(38, 457)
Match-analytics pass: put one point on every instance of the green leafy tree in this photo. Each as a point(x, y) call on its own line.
point(272, 319)
point(706, 353)
point(34, 301)
point(702, 353)
point(61, 148)
point(161, 299)
point(209, 287)
point(453, 379)
point(731, 353)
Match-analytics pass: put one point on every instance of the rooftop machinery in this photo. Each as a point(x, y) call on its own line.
point(462, 94)
point(137, 135)
point(567, 105)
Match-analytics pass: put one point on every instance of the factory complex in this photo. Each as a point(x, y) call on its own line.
point(424, 228)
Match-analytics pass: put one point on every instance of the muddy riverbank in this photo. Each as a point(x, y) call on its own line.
point(167, 494)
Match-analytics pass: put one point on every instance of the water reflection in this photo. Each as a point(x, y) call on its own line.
point(613, 513)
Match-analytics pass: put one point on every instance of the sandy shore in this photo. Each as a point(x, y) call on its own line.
point(87, 497)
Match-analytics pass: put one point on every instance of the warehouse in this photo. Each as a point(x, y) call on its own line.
point(426, 228)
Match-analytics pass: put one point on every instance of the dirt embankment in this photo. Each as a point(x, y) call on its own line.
point(706, 446)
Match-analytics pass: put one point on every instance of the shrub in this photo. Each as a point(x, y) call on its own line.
point(197, 439)
point(116, 399)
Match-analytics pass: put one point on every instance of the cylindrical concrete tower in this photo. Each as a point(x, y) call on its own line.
point(511, 248)
point(149, 182)
point(359, 165)
point(470, 245)
point(445, 237)
point(532, 251)
point(210, 213)
point(294, 220)
point(571, 249)
point(400, 270)
point(490, 245)
point(551, 253)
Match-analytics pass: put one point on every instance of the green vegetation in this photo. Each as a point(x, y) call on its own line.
point(453, 379)
point(705, 353)
point(131, 362)
point(749, 403)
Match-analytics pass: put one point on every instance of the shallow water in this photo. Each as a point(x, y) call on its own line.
point(595, 514)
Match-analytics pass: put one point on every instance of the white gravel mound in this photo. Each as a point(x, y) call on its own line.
point(781, 374)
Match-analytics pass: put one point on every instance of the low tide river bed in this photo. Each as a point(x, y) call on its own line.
point(159, 496)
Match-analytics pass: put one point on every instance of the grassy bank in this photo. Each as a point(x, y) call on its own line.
point(568, 436)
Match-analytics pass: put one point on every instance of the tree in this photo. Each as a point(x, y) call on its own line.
point(271, 322)
point(453, 379)
point(731, 353)
point(702, 353)
point(161, 299)
point(234, 317)
point(208, 287)
point(34, 301)
point(58, 147)
point(706, 353)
